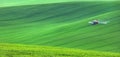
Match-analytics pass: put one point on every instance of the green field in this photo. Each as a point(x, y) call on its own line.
point(62, 25)
point(7, 3)
point(8, 50)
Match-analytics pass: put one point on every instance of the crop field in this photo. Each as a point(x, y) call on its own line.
point(10, 3)
point(13, 50)
point(63, 25)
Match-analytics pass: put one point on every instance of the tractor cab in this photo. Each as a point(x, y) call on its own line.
point(94, 22)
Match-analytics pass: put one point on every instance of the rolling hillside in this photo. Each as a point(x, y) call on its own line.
point(8, 50)
point(10, 3)
point(63, 25)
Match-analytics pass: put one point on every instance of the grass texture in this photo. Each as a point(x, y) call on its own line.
point(63, 25)
point(18, 50)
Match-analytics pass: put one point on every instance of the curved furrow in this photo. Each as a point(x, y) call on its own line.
point(97, 39)
point(51, 37)
point(70, 40)
point(62, 24)
point(45, 11)
point(67, 37)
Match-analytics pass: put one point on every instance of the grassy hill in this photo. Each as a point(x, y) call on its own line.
point(10, 3)
point(63, 25)
point(16, 50)
point(7, 3)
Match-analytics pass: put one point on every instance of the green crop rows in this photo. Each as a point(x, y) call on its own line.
point(62, 25)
